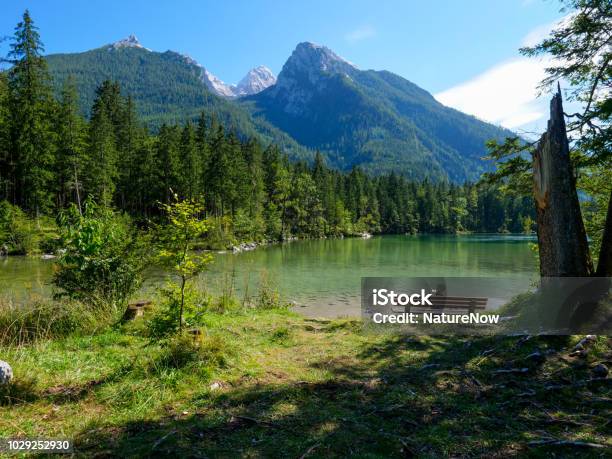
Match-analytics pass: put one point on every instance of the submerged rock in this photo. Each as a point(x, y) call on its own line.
point(6, 373)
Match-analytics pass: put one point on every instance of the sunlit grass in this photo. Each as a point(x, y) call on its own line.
point(264, 381)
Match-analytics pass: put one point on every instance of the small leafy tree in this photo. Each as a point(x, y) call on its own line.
point(104, 256)
point(177, 238)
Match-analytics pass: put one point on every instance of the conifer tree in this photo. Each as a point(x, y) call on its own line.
point(129, 142)
point(102, 170)
point(6, 162)
point(191, 171)
point(31, 105)
point(168, 161)
point(71, 145)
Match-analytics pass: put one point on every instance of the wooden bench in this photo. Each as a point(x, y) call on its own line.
point(439, 303)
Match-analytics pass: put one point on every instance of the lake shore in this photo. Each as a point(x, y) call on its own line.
point(325, 274)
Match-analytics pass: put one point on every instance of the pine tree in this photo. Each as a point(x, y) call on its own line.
point(31, 106)
point(191, 170)
point(129, 142)
point(202, 135)
point(71, 147)
point(6, 163)
point(102, 170)
point(219, 174)
point(168, 162)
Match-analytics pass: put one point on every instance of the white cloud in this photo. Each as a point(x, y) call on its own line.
point(507, 93)
point(361, 33)
point(538, 34)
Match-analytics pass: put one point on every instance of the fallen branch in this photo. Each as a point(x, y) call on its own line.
point(254, 421)
point(511, 371)
point(310, 450)
point(582, 444)
point(578, 384)
point(162, 439)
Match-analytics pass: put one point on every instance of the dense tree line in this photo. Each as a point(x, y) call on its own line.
point(51, 156)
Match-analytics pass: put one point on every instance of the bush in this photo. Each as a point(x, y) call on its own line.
point(183, 350)
point(104, 257)
point(18, 234)
point(268, 296)
point(165, 321)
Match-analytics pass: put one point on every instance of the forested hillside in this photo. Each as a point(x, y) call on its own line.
point(166, 88)
point(374, 119)
point(53, 157)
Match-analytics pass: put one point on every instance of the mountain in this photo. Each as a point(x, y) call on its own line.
point(129, 42)
point(320, 101)
point(374, 119)
point(167, 87)
point(255, 81)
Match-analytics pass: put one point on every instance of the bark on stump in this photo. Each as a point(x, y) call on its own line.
point(563, 247)
point(604, 265)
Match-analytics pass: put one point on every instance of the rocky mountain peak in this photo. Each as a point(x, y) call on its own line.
point(256, 80)
point(313, 59)
point(305, 73)
point(129, 42)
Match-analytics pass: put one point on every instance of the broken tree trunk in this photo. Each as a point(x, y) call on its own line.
point(563, 247)
point(604, 265)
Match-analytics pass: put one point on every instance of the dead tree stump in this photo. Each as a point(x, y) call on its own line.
point(563, 247)
point(135, 310)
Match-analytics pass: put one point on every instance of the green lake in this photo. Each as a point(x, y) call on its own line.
point(323, 277)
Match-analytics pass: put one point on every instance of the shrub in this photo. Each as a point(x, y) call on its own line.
point(18, 234)
point(165, 321)
point(268, 296)
point(183, 350)
point(104, 257)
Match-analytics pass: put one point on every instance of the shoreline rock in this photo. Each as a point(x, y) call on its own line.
point(244, 247)
point(6, 373)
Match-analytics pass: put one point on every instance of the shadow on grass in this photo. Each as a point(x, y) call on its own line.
point(403, 397)
point(25, 389)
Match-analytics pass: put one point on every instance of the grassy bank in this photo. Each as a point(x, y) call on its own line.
point(270, 383)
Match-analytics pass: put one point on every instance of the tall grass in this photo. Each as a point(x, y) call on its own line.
point(41, 319)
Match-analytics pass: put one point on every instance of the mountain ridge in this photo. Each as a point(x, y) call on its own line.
point(320, 101)
point(372, 118)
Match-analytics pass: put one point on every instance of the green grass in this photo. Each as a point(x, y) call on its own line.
point(273, 384)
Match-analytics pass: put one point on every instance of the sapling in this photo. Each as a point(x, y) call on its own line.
point(177, 239)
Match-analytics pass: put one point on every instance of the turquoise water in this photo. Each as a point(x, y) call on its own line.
point(323, 276)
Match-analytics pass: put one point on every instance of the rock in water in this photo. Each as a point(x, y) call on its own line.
point(6, 373)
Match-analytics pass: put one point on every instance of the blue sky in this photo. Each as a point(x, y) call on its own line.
point(445, 46)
